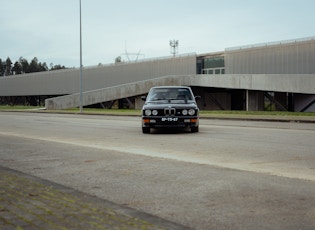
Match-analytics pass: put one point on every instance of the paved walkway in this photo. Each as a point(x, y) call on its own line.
point(28, 202)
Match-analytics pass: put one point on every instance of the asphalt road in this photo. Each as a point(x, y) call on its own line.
point(232, 174)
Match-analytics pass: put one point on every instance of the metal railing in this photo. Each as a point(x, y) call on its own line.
point(270, 43)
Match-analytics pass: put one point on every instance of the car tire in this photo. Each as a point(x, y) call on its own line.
point(145, 130)
point(195, 129)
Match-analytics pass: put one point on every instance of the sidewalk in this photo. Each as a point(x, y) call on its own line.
point(28, 202)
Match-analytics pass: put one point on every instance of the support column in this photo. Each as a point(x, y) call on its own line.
point(138, 102)
point(254, 100)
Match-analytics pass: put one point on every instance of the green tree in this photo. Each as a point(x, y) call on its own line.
point(118, 59)
point(34, 65)
point(2, 68)
point(56, 67)
point(25, 65)
point(41, 67)
point(17, 68)
point(8, 67)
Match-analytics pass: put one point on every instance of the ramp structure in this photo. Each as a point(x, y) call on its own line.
point(255, 85)
point(110, 93)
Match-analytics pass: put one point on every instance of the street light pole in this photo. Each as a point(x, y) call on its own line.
point(81, 95)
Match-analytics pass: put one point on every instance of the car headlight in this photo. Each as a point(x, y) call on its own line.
point(147, 112)
point(184, 112)
point(191, 112)
point(154, 112)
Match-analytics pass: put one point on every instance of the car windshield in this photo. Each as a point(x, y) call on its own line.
point(158, 94)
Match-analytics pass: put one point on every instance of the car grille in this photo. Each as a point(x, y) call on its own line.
point(169, 112)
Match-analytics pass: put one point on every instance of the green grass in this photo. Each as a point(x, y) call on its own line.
point(138, 112)
point(17, 107)
point(73, 110)
point(270, 113)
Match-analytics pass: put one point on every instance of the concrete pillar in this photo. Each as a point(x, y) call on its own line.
point(254, 100)
point(138, 102)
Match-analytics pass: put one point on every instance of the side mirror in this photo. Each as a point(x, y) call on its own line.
point(143, 98)
point(197, 98)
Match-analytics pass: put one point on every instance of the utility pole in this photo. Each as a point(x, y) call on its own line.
point(81, 84)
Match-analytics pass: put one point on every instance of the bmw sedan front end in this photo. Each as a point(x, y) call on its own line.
point(170, 107)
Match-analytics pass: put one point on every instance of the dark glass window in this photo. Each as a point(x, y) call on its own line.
point(213, 62)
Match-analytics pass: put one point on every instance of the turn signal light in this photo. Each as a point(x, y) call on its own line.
point(146, 120)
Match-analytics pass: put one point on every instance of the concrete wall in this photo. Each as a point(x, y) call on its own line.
point(291, 57)
point(110, 93)
point(68, 81)
point(295, 83)
point(57, 82)
point(252, 83)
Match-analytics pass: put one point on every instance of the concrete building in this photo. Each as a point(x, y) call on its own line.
point(277, 76)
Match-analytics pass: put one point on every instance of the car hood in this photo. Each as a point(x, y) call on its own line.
point(162, 105)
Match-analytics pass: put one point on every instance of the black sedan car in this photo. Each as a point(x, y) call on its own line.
point(170, 107)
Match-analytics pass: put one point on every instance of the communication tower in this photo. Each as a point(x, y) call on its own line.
point(174, 47)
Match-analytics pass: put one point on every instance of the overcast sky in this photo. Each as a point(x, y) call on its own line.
point(49, 30)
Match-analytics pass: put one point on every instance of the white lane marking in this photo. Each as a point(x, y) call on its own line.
point(295, 174)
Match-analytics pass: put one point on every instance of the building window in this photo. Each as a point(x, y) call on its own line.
point(213, 65)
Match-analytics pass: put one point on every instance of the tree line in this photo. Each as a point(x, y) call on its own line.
point(22, 66)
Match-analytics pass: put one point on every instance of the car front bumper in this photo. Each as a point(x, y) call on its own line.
point(170, 122)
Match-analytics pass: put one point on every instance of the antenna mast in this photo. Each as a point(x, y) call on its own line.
point(174, 47)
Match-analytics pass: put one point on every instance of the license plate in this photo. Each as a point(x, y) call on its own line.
point(169, 119)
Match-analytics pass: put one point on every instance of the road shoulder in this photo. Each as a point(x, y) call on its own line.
point(31, 202)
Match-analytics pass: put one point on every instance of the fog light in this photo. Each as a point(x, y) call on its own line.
point(152, 121)
point(187, 120)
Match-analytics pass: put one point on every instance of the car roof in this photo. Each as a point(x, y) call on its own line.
point(161, 87)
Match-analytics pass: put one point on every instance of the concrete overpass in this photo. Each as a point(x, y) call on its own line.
point(254, 85)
